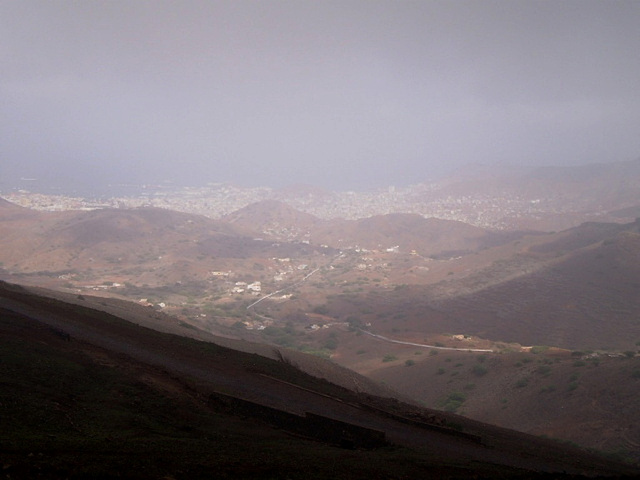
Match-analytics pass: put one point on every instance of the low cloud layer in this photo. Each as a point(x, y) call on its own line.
point(341, 94)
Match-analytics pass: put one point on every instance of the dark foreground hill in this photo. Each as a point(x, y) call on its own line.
point(86, 394)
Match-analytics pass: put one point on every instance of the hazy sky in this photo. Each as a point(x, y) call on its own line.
point(342, 94)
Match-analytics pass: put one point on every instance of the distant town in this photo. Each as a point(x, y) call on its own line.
point(499, 212)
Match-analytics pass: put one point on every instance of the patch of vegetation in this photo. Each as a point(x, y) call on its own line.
point(331, 343)
point(479, 370)
point(579, 363)
point(548, 389)
point(572, 386)
point(544, 370)
point(433, 352)
point(410, 363)
point(389, 358)
point(452, 402)
point(321, 309)
point(523, 382)
point(441, 371)
point(322, 353)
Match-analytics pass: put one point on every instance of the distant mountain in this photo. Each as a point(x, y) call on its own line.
point(97, 396)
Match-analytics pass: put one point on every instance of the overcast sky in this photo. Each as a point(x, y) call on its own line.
point(341, 94)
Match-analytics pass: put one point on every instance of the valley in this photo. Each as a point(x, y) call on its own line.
point(527, 326)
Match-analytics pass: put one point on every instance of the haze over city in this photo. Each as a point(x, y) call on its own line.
point(294, 238)
point(339, 94)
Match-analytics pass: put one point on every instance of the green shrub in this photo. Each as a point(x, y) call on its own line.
point(409, 363)
point(453, 402)
point(389, 358)
point(536, 349)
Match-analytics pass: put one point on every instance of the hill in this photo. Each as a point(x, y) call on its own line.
point(589, 398)
point(410, 232)
point(274, 219)
point(86, 394)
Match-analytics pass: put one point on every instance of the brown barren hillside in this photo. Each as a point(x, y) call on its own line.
point(409, 232)
point(274, 219)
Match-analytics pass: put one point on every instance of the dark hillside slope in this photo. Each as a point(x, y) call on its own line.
point(86, 394)
point(586, 300)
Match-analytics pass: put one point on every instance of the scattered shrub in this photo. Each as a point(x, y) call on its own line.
point(453, 402)
point(544, 370)
point(331, 344)
point(389, 358)
point(409, 363)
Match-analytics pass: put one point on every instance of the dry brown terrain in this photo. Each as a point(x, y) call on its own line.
point(190, 379)
point(575, 290)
